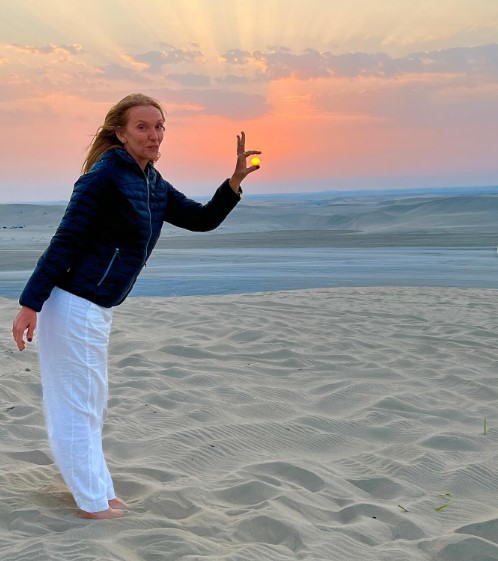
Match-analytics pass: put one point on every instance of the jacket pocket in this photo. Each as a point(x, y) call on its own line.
point(106, 272)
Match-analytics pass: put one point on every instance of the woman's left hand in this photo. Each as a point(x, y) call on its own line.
point(241, 168)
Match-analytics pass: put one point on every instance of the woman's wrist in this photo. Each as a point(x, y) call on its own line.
point(235, 184)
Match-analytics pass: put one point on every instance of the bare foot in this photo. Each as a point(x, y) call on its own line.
point(118, 504)
point(101, 515)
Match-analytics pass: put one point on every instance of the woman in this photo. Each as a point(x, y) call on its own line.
point(108, 231)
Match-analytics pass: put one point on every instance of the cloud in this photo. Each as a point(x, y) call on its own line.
point(174, 54)
point(468, 60)
point(226, 104)
point(417, 84)
point(235, 80)
point(118, 72)
point(190, 80)
point(236, 56)
point(155, 60)
point(48, 49)
point(352, 65)
point(281, 63)
point(41, 114)
point(431, 103)
point(233, 105)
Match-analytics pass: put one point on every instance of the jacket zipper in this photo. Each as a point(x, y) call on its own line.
point(116, 254)
point(150, 218)
point(146, 177)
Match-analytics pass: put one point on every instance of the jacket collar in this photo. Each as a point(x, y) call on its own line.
point(123, 155)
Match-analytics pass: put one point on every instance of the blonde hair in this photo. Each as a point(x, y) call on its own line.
point(116, 118)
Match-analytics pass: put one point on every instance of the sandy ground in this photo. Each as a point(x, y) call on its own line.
point(325, 425)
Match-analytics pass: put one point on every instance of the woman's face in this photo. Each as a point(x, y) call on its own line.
point(143, 133)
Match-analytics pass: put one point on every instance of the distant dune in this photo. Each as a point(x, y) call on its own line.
point(30, 215)
point(436, 214)
point(459, 221)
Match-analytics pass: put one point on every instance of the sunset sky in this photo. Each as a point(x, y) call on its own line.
point(339, 95)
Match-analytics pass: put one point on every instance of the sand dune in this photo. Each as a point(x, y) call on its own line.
point(334, 425)
point(361, 214)
point(29, 215)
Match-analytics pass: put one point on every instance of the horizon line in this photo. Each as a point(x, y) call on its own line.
point(328, 192)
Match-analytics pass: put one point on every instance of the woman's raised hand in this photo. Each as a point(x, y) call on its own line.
point(242, 170)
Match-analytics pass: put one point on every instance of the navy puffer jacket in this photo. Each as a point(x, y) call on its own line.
point(110, 227)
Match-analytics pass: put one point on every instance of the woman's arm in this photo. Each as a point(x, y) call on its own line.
point(191, 215)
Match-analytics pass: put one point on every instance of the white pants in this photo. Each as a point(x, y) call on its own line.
point(73, 337)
